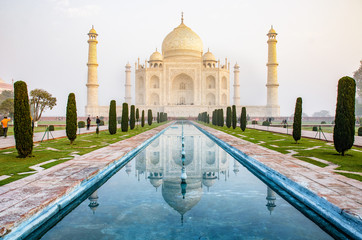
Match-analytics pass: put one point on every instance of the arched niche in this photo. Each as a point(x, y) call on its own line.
point(223, 99)
point(210, 99)
point(210, 82)
point(224, 84)
point(154, 99)
point(182, 90)
point(155, 82)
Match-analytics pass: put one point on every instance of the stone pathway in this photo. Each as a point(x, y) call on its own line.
point(24, 198)
point(305, 133)
point(9, 142)
point(341, 191)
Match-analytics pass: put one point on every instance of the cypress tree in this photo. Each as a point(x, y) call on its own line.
point(234, 120)
point(143, 118)
point(297, 124)
point(22, 122)
point(137, 115)
point(149, 117)
point(344, 128)
point(162, 117)
point(158, 117)
point(124, 123)
point(112, 123)
point(132, 120)
point(228, 117)
point(208, 119)
point(243, 119)
point(71, 119)
point(222, 120)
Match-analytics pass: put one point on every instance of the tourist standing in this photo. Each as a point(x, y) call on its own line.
point(98, 121)
point(88, 122)
point(4, 123)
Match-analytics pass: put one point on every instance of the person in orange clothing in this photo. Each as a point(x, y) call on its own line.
point(4, 123)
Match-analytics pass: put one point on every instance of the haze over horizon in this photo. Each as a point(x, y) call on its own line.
point(44, 43)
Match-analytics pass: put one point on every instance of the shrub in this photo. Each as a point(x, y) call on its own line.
point(51, 128)
point(137, 115)
point(297, 124)
point(234, 120)
point(132, 120)
point(254, 122)
point(97, 131)
point(149, 117)
point(143, 118)
point(22, 122)
point(112, 121)
point(243, 119)
point(315, 128)
point(71, 119)
point(360, 131)
point(124, 125)
point(266, 123)
point(101, 123)
point(81, 124)
point(228, 117)
point(323, 122)
point(1, 131)
point(344, 128)
point(119, 121)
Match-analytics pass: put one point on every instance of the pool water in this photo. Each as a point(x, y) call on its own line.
point(220, 199)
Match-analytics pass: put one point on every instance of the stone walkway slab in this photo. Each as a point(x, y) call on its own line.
point(22, 199)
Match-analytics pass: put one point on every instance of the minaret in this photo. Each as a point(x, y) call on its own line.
point(127, 85)
point(236, 85)
point(93, 201)
point(272, 81)
point(92, 84)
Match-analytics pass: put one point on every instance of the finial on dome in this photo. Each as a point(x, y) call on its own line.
point(156, 49)
point(93, 26)
point(182, 17)
point(208, 49)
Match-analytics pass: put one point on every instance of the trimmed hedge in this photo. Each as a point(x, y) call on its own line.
point(112, 122)
point(228, 117)
point(360, 131)
point(81, 124)
point(243, 119)
point(297, 124)
point(124, 124)
point(132, 119)
point(149, 117)
point(71, 118)
point(22, 122)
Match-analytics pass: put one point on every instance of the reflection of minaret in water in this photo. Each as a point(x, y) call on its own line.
point(93, 201)
point(271, 199)
point(128, 168)
point(236, 167)
point(183, 170)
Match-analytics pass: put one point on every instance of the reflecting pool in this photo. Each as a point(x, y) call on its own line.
point(220, 199)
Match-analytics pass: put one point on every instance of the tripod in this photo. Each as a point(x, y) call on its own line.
point(47, 133)
point(320, 131)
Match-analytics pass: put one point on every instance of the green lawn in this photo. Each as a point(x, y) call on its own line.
point(352, 161)
point(10, 165)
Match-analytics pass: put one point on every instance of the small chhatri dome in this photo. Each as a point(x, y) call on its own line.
point(156, 56)
point(236, 65)
point(272, 31)
point(182, 41)
point(208, 56)
point(92, 31)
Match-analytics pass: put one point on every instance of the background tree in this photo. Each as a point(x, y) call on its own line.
point(124, 124)
point(297, 124)
point(149, 117)
point(158, 117)
point(234, 119)
point(228, 117)
point(143, 118)
point(132, 119)
point(71, 118)
point(243, 119)
point(322, 113)
point(7, 107)
point(222, 120)
point(22, 122)
point(137, 115)
point(40, 101)
point(112, 123)
point(5, 95)
point(344, 128)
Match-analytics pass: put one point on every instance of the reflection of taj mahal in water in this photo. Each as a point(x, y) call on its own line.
point(204, 166)
point(183, 80)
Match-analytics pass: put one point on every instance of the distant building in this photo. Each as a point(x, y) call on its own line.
point(5, 86)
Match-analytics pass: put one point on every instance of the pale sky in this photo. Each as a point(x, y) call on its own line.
point(44, 43)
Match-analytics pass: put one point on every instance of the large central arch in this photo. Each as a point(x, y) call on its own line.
point(182, 90)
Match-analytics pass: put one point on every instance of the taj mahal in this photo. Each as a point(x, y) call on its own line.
point(182, 80)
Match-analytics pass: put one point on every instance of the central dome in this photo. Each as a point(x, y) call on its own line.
point(182, 41)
